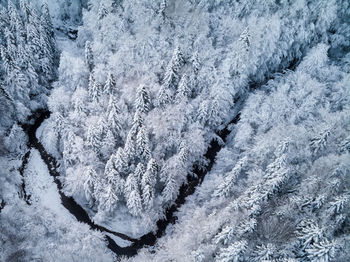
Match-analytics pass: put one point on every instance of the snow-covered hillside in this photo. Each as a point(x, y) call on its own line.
point(223, 127)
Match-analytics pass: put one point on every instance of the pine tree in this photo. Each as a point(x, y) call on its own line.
point(139, 171)
point(162, 8)
point(138, 120)
point(184, 90)
point(345, 146)
point(48, 35)
point(94, 137)
point(130, 145)
point(164, 96)
point(203, 111)
point(132, 195)
point(225, 189)
point(196, 63)
point(171, 188)
point(148, 182)
point(244, 38)
point(323, 251)
point(309, 232)
point(225, 236)
point(278, 172)
point(46, 20)
point(8, 63)
point(25, 10)
point(46, 57)
point(33, 32)
point(319, 142)
point(233, 253)
point(89, 57)
point(113, 116)
point(108, 199)
point(102, 11)
point(246, 226)
point(108, 143)
point(90, 183)
point(183, 154)
point(143, 145)
point(94, 88)
point(79, 100)
point(214, 114)
point(171, 78)
point(110, 86)
point(143, 103)
point(264, 252)
point(11, 43)
point(114, 171)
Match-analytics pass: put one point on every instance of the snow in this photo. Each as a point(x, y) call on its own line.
point(120, 242)
point(125, 223)
point(10, 179)
point(42, 188)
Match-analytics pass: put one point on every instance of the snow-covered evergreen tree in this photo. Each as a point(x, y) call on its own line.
point(110, 85)
point(132, 195)
point(143, 102)
point(113, 116)
point(89, 56)
point(171, 78)
point(148, 182)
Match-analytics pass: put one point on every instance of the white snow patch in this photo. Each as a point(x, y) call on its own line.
point(42, 188)
point(120, 242)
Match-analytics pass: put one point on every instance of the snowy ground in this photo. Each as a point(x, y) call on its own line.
point(42, 188)
point(10, 178)
point(123, 222)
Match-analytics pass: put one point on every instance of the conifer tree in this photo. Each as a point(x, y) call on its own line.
point(214, 118)
point(164, 96)
point(143, 100)
point(225, 189)
point(324, 251)
point(203, 111)
point(162, 8)
point(225, 236)
point(8, 63)
point(319, 142)
point(171, 188)
point(89, 57)
point(130, 145)
point(90, 183)
point(114, 171)
point(132, 195)
point(108, 143)
point(196, 63)
point(143, 145)
point(93, 88)
point(46, 20)
point(138, 121)
point(11, 43)
point(33, 33)
point(232, 253)
point(264, 252)
point(108, 199)
point(94, 137)
point(171, 78)
point(102, 11)
point(139, 171)
point(184, 90)
point(113, 116)
point(148, 182)
point(110, 85)
point(244, 38)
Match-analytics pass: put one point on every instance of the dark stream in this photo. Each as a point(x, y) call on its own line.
point(81, 215)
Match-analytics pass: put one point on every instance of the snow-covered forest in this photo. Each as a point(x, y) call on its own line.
point(175, 130)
